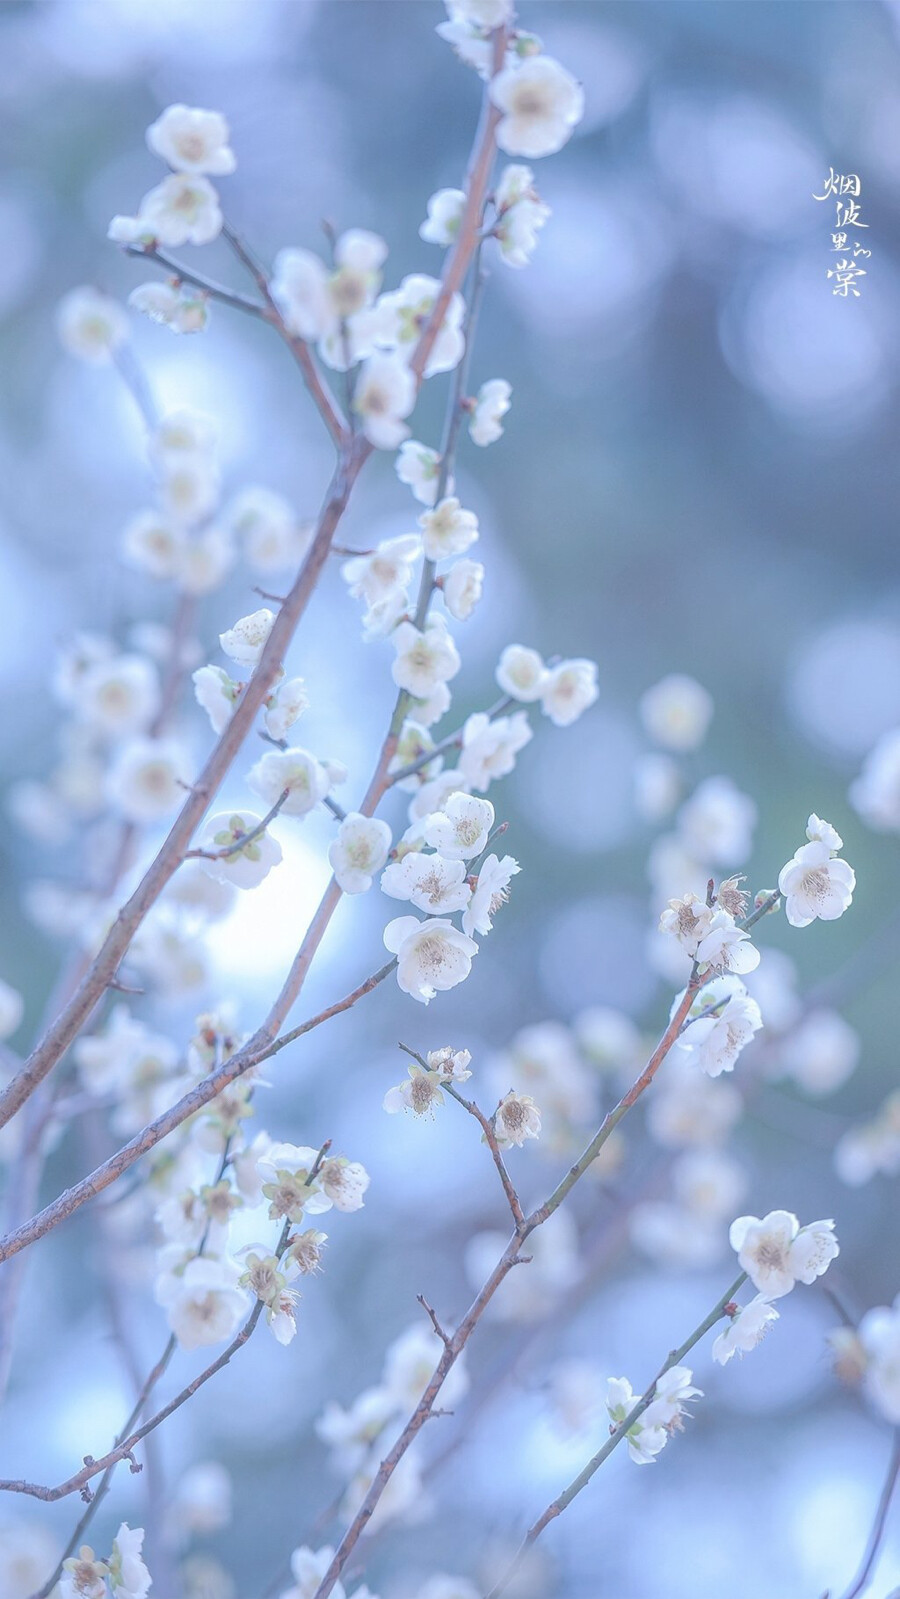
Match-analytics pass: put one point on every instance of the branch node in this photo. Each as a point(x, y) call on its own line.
point(432, 1317)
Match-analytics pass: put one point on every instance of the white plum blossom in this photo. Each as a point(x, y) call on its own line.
point(385, 393)
point(192, 140)
point(488, 14)
point(181, 309)
point(402, 316)
point(300, 289)
point(183, 209)
point(541, 104)
point(815, 883)
point(128, 1575)
point(516, 1118)
point(491, 403)
point(461, 828)
point(567, 690)
point(445, 209)
point(776, 1252)
point(308, 1567)
point(419, 467)
point(148, 779)
point(217, 693)
point(650, 1432)
point(657, 786)
point(384, 570)
point(448, 530)
point(747, 1327)
point(12, 1009)
point(715, 1042)
point(875, 794)
point(871, 1147)
point(431, 883)
point(489, 748)
point(432, 956)
point(306, 780)
point(879, 1335)
point(204, 560)
point(608, 1037)
point(246, 640)
point(359, 851)
point(244, 866)
point(420, 1093)
point(188, 486)
point(408, 1366)
point(451, 1064)
point(91, 325)
point(821, 1052)
point(521, 673)
point(84, 1576)
point(152, 543)
point(285, 706)
point(462, 588)
point(521, 213)
point(717, 823)
point(424, 657)
point(183, 432)
point(266, 526)
point(688, 920)
point(204, 1305)
point(726, 947)
point(491, 891)
point(343, 1182)
point(676, 712)
point(118, 696)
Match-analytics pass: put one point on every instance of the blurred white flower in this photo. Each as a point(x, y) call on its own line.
point(217, 693)
point(182, 210)
point(181, 309)
point(521, 673)
point(148, 779)
point(821, 1052)
point(677, 712)
point(285, 706)
point(567, 690)
point(306, 779)
point(491, 404)
point(203, 1303)
point(445, 210)
point(192, 140)
point(521, 213)
point(385, 393)
point(91, 325)
point(717, 823)
point(12, 1009)
point(401, 318)
point(489, 748)
point(419, 466)
point(462, 588)
point(424, 658)
point(448, 530)
point(876, 792)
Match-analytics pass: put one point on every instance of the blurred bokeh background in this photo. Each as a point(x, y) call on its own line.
point(699, 474)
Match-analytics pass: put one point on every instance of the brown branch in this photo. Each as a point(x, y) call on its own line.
point(252, 1054)
point(244, 839)
point(490, 1138)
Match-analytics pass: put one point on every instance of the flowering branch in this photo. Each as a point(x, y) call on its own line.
point(452, 741)
point(490, 1138)
point(558, 1505)
point(243, 839)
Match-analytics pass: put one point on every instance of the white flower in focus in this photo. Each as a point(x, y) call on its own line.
point(359, 851)
point(192, 140)
point(489, 748)
point(285, 706)
point(460, 829)
point(83, 1576)
point(726, 947)
point(181, 310)
point(90, 325)
point(567, 690)
point(385, 393)
point(715, 1042)
point(491, 403)
point(246, 640)
point(776, 1252)
point(516, 1118)
point(521, 213)
point(643, 1440)
point(402, 316)
point(118, 696)
point(343, 1182)
point(521, 673)
point(875, 794)
point(432, 956)
point(420, 467)
point(217, 693)
point(452, 1064)
point(677, 712)
point(431, 883)
point(541, 102)
point(491, 891)
point(688, 920)
point(128, 1576)
point(182, 210)
point(306, 779)
point(448, 530)
point(425, 658)
point(445, 209)
point(814, 883)
point(384, 570)
point(462, 588)
point(246, 866)
point(12, 1009)
point(203, 1303)
point(420, 1093)
point(148, 779)
point(746, 1328)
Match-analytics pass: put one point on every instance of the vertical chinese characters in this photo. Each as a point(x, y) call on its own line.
point(844, 189)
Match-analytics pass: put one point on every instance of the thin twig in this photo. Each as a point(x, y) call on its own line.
point(243, 839)
point(861, 1580)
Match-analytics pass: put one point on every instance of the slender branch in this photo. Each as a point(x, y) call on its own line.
point(216, 291)
point(763, 908)
point(490, 1138)
point(558, 1505)
point(452, 741)
point(108, 1172)
point(511, 1257)
point(244, 839)
point(876, 1536)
